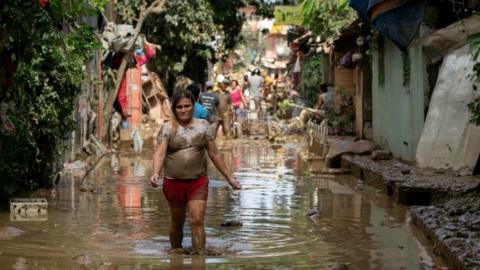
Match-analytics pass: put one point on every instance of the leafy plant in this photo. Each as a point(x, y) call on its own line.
point(185, 29)
point(264, 10)
point(283, 106)
point(326, 18)
point(474, 106)
point(311, 78)
point(188, 29)
point(49, 49)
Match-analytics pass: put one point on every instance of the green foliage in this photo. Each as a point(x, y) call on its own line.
point(326, 18)
point(283, 106)
point(264, 10)
point(49, 50)
point(474, 106)
point(187, 29)
point(474, 41)
point(225, 15)
point(342, 116)
point(128, 10)
point(311, 78)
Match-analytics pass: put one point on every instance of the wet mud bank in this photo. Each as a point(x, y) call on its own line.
point(407, 184)
point(445, 208)
point(453, 228)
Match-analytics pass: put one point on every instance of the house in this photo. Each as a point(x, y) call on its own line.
point(412, 113)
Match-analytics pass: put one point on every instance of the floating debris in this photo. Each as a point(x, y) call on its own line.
point(330, 171)
point(231, 223)
point(83, 259)
point(338, 266)
point(20, 264)
point(7, 233)
point(311, 212)
point(276, 146)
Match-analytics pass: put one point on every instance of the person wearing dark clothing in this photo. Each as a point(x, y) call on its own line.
point(198, 111)
point(210, 101)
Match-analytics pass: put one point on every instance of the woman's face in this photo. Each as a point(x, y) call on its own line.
point(234, 84)
point(184, 110)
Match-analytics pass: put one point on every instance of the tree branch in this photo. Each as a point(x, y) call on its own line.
point(156, 6)
point(105, 18)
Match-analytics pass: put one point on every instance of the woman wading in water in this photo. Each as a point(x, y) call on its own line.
point(182, 148)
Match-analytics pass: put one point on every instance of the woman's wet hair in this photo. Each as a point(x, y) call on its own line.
point(175, 99)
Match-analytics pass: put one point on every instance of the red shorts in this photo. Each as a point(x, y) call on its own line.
point(180, 191)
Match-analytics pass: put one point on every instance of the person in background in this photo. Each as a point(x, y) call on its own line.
point(325, 98)
point(224, 106)
point(255, 85)
point(245, 83)
point(267, 86)
point(198, 111)
point(210, 101)
point(238, 100)
point(183, 145)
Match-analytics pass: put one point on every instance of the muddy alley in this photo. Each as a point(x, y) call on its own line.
point(290, 219)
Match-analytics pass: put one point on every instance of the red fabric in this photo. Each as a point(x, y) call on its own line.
point(144, 56)
point(43, 3)
point(180, 191)
point(117, 60)
point(294, 46)
point(149, 52)
point(236, 97)
point(122, 95)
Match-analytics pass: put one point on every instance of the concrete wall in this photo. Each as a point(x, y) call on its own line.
point(398, 109)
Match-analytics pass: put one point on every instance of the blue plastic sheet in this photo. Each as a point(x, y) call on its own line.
point(363, 7)
point(400, 24)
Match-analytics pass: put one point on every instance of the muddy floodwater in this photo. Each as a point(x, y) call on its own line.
point(291, 219)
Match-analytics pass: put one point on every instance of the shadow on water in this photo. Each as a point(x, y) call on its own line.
point(290, 219)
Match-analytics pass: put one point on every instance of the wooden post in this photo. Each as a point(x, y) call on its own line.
point(100, 95)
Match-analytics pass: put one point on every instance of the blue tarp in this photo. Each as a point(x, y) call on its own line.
point(363, 7)
point(399, 24)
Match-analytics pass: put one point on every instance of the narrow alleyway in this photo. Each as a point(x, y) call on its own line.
point(291, 219)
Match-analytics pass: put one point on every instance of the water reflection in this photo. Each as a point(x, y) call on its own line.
point(123, 223)
point(180, 263)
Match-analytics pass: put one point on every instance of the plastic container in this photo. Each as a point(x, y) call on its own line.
point(28, 209)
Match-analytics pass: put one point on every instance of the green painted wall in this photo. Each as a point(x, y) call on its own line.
point(398, 99)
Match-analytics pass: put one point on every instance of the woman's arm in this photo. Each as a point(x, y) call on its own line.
point(244, 100)
point(217, 159)
point(158, 158)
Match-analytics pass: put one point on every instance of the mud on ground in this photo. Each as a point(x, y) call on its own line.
point(454, 229)
point(447, 206)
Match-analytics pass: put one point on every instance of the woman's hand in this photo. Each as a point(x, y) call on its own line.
point(154, 180)
point(234, 183)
